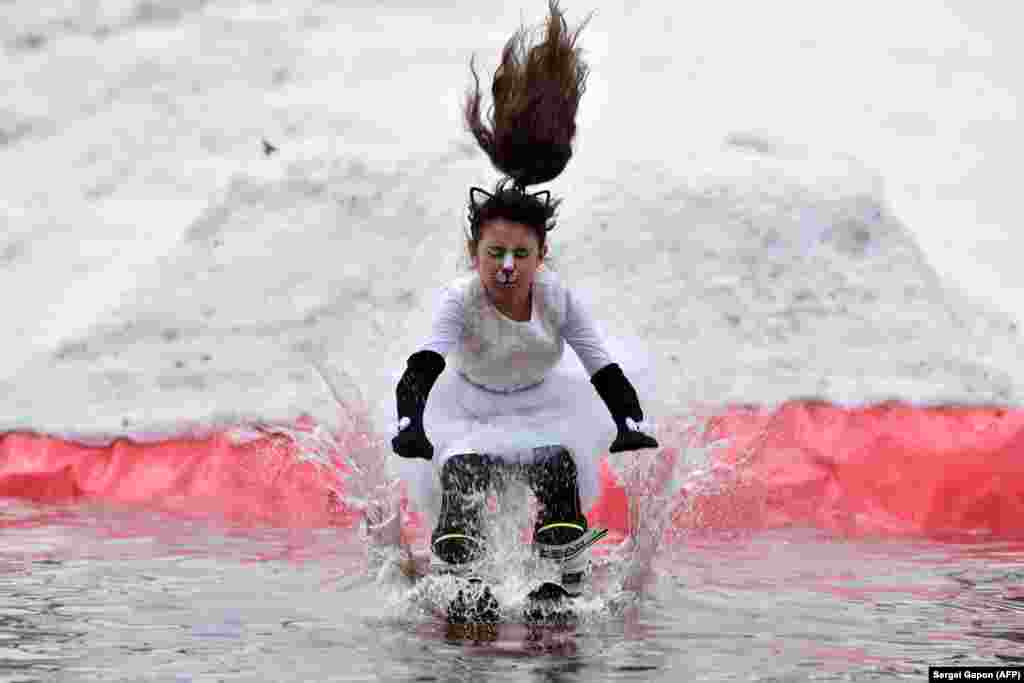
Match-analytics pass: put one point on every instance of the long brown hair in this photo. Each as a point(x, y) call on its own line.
point(536, 91)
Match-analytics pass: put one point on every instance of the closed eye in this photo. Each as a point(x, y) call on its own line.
point(499, 252)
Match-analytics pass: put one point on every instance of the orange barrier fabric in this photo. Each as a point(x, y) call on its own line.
point(881, 470)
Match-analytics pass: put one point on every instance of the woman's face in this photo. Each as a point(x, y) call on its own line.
point(507, 258)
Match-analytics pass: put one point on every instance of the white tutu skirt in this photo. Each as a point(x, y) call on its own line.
point(562, 410)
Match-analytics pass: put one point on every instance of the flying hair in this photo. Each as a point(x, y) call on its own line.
point(531, 123)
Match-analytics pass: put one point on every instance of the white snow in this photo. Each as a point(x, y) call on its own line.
point(785, 200)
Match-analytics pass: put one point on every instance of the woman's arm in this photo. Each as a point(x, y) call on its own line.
point(422, 370)
point(607, 377)
point(449, 323)
point(581, 334)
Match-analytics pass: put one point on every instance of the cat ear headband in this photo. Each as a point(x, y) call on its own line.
point(473, 191)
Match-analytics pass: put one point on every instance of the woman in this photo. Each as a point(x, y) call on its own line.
point(512, 406)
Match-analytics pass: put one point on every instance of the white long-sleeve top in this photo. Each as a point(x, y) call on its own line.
point(501, 354)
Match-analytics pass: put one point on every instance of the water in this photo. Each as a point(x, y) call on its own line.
point(245, 561)
point(93, 593)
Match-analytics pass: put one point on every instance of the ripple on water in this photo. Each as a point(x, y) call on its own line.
point(89, 593)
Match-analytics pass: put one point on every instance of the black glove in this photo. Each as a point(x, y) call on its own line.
point(620, 397)
point(422, 370)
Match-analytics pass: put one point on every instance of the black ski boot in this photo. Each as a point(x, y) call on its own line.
point(560, 521)
point(459, 535)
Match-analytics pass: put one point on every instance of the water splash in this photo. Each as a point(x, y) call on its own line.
point(659, 485)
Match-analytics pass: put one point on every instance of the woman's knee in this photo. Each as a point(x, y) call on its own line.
point(555, 461)
point(466, 472)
